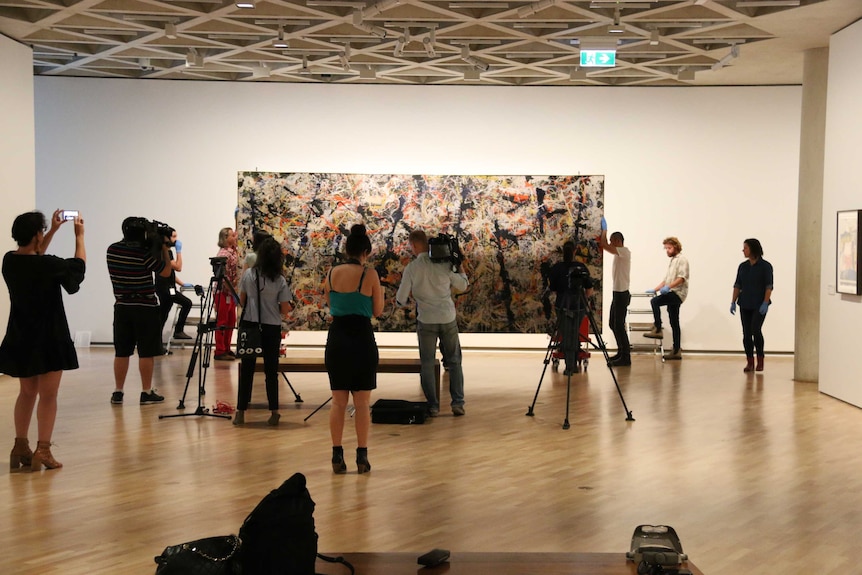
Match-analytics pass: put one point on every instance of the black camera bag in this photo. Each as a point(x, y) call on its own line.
point(399, 411)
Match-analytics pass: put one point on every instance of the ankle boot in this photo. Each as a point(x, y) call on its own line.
point(362, 465)
point(338, 465)
point(749, 364)
point(42, 456)
point(21, 455)
point(759, 363)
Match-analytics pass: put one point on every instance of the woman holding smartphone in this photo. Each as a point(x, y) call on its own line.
point(38, 347)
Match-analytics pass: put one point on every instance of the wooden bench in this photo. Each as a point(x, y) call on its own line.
point(316, 365)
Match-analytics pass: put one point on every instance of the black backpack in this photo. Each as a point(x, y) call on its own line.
point(278, 537)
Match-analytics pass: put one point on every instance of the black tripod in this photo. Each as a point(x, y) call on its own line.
point(567, 332)
point(204, 340)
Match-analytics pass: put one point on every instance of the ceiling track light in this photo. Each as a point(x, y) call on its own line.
point(616, 28)
point(171, 31)
point(531, 9)
point(193, 59)
point(367, 73)
point(654, 37)
point(399, 47)
point(245, 5)
point(279, 41)
point(304, 69)
point(472, 60)
point(734, 53)
point(428, 44)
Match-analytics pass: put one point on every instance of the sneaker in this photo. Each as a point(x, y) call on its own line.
point(675, 354)
point(117, 398)
point(655, 333)
point(458, 410)
point(151, 397)
point(182, 335)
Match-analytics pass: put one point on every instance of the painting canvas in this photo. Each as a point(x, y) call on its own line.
point(509, 228)
point(847, 252)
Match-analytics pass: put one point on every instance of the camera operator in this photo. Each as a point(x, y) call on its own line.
point(168, 293)
point(567, 279)
point(137, 322)
point(431, 283)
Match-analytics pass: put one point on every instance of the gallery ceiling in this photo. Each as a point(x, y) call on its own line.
point(490, 42)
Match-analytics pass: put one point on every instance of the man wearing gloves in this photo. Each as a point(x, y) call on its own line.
point(166, 289)
point(671, 293)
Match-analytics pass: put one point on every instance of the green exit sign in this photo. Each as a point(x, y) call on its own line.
point(598, 58)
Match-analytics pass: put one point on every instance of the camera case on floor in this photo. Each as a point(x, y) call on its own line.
point(399, 411)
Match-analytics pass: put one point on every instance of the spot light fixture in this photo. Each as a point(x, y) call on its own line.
point(472, 60)
point(279, 41)
point(734, 53)
point(171, 31)
point(245, 5)
point(653, 37)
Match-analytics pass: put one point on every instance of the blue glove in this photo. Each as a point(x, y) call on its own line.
point(179, 246)
point(764, 307)
point(733, 308)
point(604, 224)
point(664, 290)
point(650, 291)
point(188, 285)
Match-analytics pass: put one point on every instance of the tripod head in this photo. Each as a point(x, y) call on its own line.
point(218, 264)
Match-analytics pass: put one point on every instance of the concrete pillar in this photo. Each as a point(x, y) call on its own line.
point(806, 364)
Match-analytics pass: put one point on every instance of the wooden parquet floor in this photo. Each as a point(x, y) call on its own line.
point(757, 473)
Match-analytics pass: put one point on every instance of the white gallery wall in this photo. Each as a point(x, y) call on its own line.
point(841, 314)
point(712, 166)
point(17, 146)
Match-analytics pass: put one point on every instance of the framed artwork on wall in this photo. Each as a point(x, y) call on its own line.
point(510, 230)
point(847, 261)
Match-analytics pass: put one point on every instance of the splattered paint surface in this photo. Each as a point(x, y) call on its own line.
point(509, 228)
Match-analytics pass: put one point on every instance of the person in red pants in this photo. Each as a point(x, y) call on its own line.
point(225, 303)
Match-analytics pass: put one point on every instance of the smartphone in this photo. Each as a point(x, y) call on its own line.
point(69, 214)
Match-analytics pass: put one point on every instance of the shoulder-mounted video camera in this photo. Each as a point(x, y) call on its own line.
point(151, 234)
point(444, 249)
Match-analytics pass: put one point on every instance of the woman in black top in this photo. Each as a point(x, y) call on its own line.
point(752, 290)
point(37, 347)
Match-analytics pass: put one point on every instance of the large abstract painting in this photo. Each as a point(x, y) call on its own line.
point(510, 230)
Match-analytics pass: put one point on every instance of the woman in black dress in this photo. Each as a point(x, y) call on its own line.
point(37, 347)
point(354, 295)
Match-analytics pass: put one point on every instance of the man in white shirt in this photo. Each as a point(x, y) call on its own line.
point(431, 283)
point(622, 296)
point(671, 293)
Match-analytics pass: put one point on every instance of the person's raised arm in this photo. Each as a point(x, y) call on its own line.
point(80, 251)
point(56, 221)
point(177, 264)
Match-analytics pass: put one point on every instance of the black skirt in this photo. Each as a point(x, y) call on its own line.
point(351, 354)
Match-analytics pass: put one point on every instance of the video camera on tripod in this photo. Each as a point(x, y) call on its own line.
point(444, 249)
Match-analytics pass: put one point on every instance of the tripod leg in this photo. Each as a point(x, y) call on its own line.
point(319, 407)
point(297, 398)
point(604, 348)
point(548, 354)
point(568, 397)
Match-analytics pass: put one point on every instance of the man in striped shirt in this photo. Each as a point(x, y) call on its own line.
point(137, 322)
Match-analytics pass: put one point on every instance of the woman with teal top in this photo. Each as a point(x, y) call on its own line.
point(354, 295)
